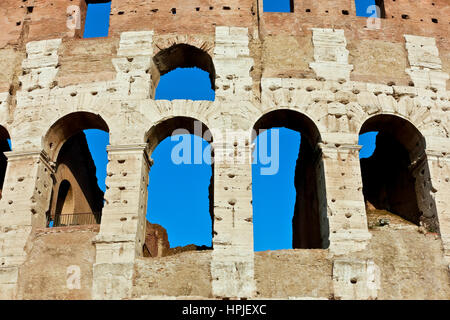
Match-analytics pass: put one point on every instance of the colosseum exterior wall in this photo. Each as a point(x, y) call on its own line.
point(320, 62)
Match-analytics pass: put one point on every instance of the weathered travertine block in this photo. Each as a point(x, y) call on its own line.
point(330, 54)
point(40, 67)
point(353, 279)
point(233, 64)
point(25, 199)
point(426, 66)
point(122, 232)
point(345, 202)
point(439, 176)
point(232, 265)
point(5, 99)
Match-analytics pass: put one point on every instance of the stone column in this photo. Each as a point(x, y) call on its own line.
point(122, 231)
point(439, 177)
point(25, 200)
point(345, 200)
point(354, 276)
point(232, 265)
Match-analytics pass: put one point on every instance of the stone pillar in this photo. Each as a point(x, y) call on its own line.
point(345, 199)
point(232, 265)
point(122, 231)
point(25, 200)
point(330, 54)
point(426, 66)
point(354, 277)
point(439, 171)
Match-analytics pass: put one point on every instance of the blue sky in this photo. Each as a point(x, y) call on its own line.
point(178, 194)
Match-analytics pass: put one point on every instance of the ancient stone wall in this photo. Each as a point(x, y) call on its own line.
point(320, 62)
point(59, 264)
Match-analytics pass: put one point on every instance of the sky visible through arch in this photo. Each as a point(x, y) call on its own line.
point(178, 194)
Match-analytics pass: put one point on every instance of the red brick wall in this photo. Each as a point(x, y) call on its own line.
point(48, 18)
point(328, 14)
point(23, 21)
point(289, 32)
point(188, 17)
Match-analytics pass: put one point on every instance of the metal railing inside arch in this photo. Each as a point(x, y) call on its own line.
point(74, 219)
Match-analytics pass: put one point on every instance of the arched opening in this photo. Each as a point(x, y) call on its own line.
point(183, 72)
point(396, 178)
point(5, 146)
point(180, 191)
point(297, 187)
point(77, 145)
point(64, 204)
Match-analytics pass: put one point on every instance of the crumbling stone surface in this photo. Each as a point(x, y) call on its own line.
point(56, 261)
point(156, 241)
point(92, 63)
point(380, 218)
point(184, 274)
point(294, 274)
point(411, 264)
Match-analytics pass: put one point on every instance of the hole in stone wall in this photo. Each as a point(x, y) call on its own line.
point(288, 184)
point(278, 5)
point(185, 83)
point(97, 19)
point(180, 191)
point(393, 187)
point(183, 72)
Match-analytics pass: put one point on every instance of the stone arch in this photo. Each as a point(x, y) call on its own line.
point(182, 55)
point(64, 200)
point(167, 42)
point(273, 101)
point(188, 109)
point(310, 222)
point(401, 127)
point(67, 126)
point(4, 146)
point(165, 127)
point(158, 132)
point(396, 177)
point(292, 119)
point(66, 146)
point(420, 113)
